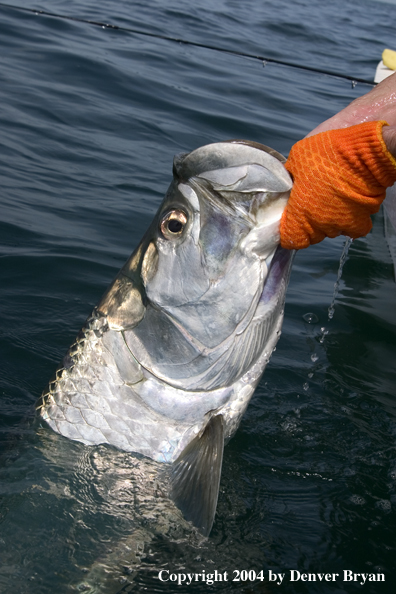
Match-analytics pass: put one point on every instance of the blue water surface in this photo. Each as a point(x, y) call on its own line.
point(90, 119)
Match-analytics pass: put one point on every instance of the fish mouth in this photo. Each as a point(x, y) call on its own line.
point(236, 176)
point(222, 155)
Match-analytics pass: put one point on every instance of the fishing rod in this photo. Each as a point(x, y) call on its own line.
point(354, 80)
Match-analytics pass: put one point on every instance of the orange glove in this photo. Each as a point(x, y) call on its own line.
point(340, 177)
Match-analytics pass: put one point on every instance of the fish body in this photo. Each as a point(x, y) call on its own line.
point(166, 364)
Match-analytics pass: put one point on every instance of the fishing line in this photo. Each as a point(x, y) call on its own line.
point(264, 60)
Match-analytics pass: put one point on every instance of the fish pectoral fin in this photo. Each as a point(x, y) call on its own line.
point(195, 476)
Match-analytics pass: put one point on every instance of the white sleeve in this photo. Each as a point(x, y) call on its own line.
point(390, 222)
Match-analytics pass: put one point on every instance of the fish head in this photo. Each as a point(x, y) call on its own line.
point(195, 281)
point(224, 204)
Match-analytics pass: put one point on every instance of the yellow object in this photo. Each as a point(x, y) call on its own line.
point(389, 59)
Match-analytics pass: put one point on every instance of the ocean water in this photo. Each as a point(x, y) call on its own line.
point(90, 119)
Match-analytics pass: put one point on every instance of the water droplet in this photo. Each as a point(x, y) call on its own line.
point(306, 386)
point(310, 318)
point(324, 333)
point(310, 375)
point(384, 504)
point(289, 425)
point(357, 499)
point(314, 357)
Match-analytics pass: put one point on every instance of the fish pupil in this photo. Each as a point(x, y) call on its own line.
point(175, 226)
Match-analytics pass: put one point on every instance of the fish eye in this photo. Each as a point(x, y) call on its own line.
point(173, 224)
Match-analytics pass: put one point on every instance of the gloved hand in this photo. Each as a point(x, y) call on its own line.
point(340, 179)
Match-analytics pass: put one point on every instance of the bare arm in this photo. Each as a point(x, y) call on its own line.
point(378, 104)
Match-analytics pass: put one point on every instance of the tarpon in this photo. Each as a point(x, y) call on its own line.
point(166, 364)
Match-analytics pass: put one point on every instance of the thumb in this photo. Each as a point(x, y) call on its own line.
point(389, 136)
